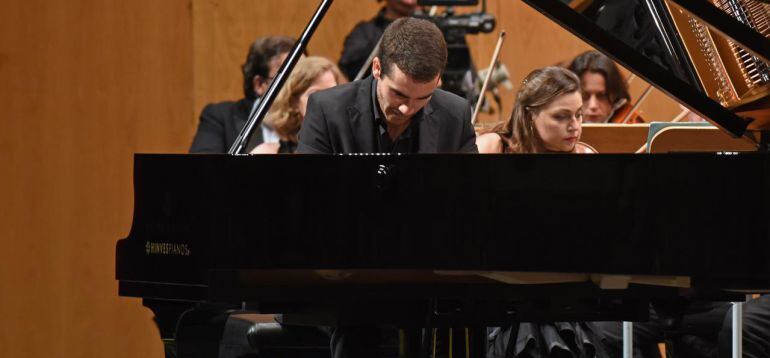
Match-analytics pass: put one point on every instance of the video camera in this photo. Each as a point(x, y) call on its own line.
point(472, 23)
point(460, 74)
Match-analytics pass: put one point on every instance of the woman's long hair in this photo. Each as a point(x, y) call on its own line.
point(538, 89)
point(285, 117)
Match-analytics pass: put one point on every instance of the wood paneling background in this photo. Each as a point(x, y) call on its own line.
point(224, 29)
point(84, 84)
point(533, 41)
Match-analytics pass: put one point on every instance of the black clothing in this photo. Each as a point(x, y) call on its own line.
point(360, 43)
point(341, 120)
point(405, 143)
point(693, 335)
point(286, 147)
point(756, 329)
point(347, 119)
point(559, 339)
point(355, 342)
point(220, 123)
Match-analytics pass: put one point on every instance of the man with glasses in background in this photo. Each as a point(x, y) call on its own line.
point(220, 123)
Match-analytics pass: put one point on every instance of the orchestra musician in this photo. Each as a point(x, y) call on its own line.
point(360, 42)
point(310, 75)
point(605, 92)
point(547, 117)
point(220, 123)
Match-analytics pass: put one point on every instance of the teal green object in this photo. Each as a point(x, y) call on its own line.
point(656, 127)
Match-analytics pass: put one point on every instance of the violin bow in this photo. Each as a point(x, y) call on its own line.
point(492, 65)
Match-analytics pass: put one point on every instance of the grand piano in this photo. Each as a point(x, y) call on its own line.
point(439, 240)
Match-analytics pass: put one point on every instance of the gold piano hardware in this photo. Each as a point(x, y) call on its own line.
point(166, 248)
point(729, 74)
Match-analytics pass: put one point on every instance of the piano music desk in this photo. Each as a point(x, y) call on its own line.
point(615, 138)
point(697, 139)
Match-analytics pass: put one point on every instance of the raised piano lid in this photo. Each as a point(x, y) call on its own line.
point(641, 35)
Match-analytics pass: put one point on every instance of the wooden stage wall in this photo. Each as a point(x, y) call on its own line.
point(224, 29)
point(87, 83)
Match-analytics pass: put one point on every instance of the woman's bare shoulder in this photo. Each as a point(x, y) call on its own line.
point(266, 148)
point(489, 143)
point(584, 148)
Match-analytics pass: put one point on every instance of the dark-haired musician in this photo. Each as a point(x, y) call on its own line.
point(399, 109)
point(605, 91)
point(221, 122)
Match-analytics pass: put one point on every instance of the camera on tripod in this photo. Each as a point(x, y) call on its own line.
point(472, 23)
point(460, 74)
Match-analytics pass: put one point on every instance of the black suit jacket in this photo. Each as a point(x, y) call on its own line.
point(360, 42)
point(340, 120)
point(220, 124)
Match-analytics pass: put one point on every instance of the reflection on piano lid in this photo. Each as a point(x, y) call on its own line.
point(710, 55)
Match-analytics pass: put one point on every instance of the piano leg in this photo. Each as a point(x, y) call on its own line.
point(737, 329)
point(628, 339)
point(166, 318)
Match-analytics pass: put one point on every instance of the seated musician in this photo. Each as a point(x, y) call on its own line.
point(605, 91)
point(399, 109)
point(547, 117)
point(220, 123)
point(310, 75)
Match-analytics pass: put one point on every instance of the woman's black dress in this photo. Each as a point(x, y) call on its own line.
point(541, 340)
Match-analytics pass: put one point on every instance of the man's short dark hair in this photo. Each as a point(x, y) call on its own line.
point(261, 52)
point(416, 46)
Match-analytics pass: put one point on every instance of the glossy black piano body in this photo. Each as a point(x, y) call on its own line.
point(413, 239)
point(232, 229)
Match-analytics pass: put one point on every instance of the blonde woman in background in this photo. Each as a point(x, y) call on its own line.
point(310, 75)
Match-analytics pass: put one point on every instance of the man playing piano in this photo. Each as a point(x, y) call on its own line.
point(399, 109)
